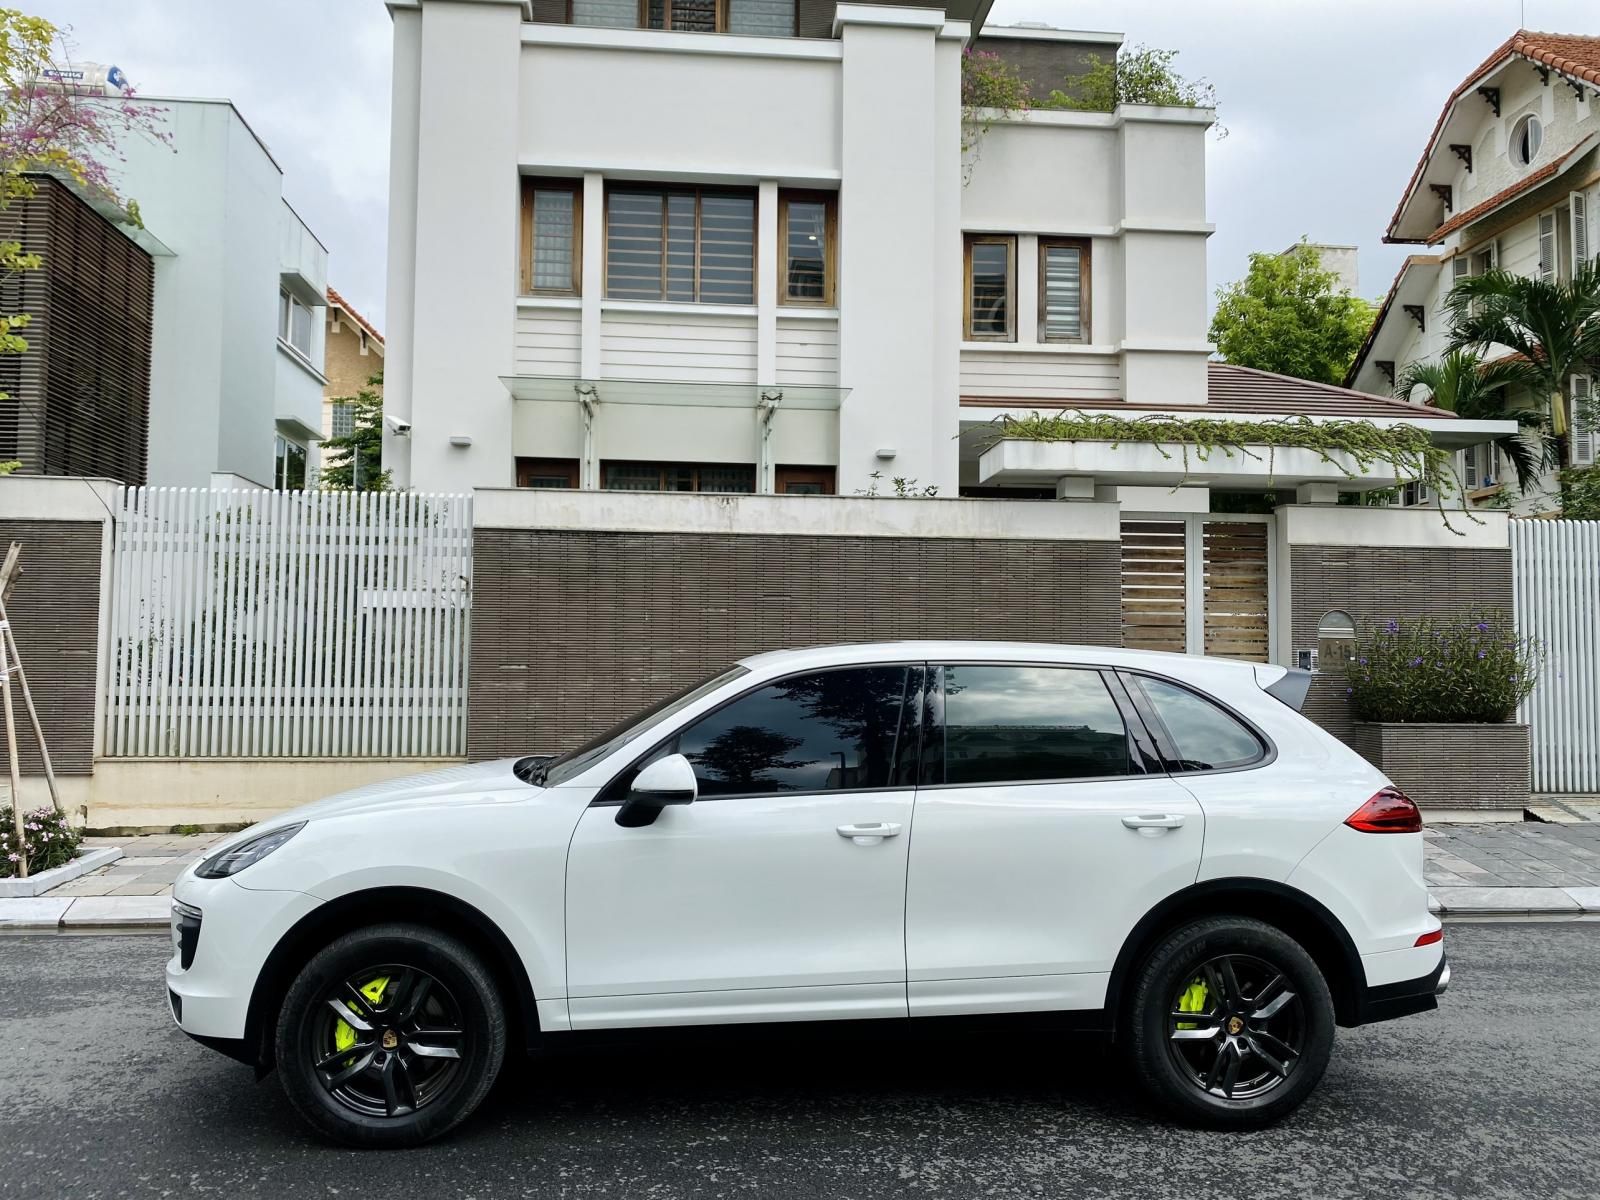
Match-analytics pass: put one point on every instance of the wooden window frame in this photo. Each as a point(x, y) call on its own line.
point(662, 466)
point(828, 477)
point(666, 190)
point(1009, 241)
point(526, 466)
point(643, 18)
point(531, 184)
point(1085, 289)
point(830, 252)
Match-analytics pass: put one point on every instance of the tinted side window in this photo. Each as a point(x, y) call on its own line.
point(1013, 724)
point(1206, 738)
point(827, 731)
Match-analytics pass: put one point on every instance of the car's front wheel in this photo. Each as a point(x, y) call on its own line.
point(390, 1035)
point(1230, 1023)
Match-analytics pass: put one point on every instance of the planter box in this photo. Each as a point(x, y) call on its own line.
point(1451, 766)
point(89, 858)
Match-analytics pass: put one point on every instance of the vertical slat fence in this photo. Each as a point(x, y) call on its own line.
point(1556, 590)
point(255, 624)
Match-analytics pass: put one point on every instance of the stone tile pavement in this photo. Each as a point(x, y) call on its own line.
point(148, 867)
point(1513, 855)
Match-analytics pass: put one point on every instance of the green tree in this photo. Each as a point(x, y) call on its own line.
point(1140, 75)
point(354, 462)
point(1469, 387)
point(1285, 316)
point(1552, 325)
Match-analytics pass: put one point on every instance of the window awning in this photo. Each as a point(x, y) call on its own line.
point(670, 392)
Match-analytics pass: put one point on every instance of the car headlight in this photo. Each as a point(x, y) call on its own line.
point(246, 853)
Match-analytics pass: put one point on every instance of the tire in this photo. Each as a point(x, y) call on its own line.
point(406, 1065)
point(1280, 1003)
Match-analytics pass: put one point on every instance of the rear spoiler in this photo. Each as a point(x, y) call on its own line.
point(1287, 685)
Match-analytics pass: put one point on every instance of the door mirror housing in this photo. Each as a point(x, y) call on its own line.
point(668, 780)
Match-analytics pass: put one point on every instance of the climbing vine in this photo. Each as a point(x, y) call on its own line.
point(1406, 448)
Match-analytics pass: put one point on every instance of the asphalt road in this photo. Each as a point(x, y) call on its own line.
point(1496, 1095)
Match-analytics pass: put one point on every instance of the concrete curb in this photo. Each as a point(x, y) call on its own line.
point(91, 859)
point(42, 914)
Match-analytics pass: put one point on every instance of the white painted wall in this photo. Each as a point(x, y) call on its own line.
point(215, 199)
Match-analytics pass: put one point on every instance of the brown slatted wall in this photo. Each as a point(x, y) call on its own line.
point(1153, 585)
point(1236, 608)
point(81, 394)
point(571, 631)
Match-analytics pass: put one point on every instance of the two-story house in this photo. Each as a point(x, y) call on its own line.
point(352, 357)
point(1509, 180)
point(239, 284)
point(759, 246)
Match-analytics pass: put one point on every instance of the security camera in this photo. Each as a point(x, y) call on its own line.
point(397, 425)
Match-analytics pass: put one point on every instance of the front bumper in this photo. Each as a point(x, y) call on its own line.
point(1390, 1000)
point(225, 948)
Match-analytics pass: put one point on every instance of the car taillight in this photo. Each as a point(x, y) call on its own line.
point(1429, 939)
point(1390, 811)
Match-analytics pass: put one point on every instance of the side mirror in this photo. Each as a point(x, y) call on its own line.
point(668, 780)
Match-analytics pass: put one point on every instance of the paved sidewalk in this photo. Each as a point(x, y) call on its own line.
point(149, 865)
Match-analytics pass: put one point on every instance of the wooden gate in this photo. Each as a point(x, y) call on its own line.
point(1198, 583)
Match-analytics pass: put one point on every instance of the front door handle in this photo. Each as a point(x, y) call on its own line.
point(869, 834)
point(1154, 823)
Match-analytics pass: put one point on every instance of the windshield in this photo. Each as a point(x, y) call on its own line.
point(575, 762)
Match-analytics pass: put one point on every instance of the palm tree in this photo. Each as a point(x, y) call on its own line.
point(1471, 388)
point(1554, 325)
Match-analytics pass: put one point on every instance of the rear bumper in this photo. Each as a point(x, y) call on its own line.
point(1390, 1000)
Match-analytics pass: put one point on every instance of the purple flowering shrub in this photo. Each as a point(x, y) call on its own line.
point(48, 841)
point(1464, 669)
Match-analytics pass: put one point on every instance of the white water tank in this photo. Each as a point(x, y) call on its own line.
point(93, 79)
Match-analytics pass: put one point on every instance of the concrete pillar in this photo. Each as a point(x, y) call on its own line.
point(400, 304)
point(462, 341)
point(899, 243)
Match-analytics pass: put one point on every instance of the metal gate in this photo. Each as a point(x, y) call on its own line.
point(1199, 583)
point(1556, 588)
point(289, 624)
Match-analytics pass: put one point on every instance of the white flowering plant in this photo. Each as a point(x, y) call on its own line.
point(48, 841)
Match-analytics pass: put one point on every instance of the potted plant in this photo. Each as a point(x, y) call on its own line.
point(1434, 702)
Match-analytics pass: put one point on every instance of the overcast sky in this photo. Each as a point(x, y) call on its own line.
point(1327, 102)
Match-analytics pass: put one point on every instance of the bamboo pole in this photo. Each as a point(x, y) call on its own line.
point(33, 713)
point(11, 752)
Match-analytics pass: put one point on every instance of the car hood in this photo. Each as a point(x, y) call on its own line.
point(475, 783)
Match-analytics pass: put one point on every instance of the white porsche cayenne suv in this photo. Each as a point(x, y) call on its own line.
point(1156, 846)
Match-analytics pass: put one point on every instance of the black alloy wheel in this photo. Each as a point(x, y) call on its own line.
point(1228, 1023)
point(390, 1035)
point(1237, 1029)
point(388, 1041)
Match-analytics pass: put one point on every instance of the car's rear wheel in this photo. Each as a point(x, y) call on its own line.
point(390, 1035)
point(1230, 1023)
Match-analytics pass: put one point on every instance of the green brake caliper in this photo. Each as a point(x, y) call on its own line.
point(343, 1035)
point(1193, 1000)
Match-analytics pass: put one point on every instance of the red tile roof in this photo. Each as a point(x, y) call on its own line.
point(372, 330)
point(1570, 54)
point(1235, 389)
point(1412, 260)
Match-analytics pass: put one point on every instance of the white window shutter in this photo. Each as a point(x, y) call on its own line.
point(1578, 212)
point(1459, 267)
point(1582, 435)
point(1547, 245)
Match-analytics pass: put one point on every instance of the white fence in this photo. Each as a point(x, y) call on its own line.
point(289, 624)
point(1556, 571)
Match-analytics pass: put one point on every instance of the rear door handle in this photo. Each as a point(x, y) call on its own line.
point(869, 834)
point(1156, 821)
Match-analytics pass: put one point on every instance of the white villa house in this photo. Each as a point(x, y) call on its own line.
point(740, 247)
point(1509, 179)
